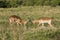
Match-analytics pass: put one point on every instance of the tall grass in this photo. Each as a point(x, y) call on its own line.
point(33, 32)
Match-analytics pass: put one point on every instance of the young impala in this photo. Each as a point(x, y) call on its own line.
point(17, 19)
point(43, 20)
point(14, 18)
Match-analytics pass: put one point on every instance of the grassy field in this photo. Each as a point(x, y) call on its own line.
point(33, 32)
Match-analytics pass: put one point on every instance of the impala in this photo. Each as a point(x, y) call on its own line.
point(17, 19)
point(43, 20)
point(14, 18)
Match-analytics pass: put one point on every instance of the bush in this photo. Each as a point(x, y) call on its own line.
point(16, 3)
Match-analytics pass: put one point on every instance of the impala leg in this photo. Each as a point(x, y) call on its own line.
point(50, 24)
point(42, 24)
point(39, 24)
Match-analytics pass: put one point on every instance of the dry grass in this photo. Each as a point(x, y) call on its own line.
point(34, 32)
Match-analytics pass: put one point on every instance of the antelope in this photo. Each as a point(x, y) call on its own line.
point(17, 19)
point(43, 20)
point(14, 18)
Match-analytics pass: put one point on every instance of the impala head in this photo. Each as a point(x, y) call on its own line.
point(35, 21)
point(24, 22)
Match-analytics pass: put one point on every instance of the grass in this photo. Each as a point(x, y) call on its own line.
point(34, 32)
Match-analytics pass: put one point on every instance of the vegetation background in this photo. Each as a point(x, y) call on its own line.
point(16, 3)
point(29, 10)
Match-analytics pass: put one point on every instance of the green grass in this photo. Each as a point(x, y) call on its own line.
point(33, 31)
